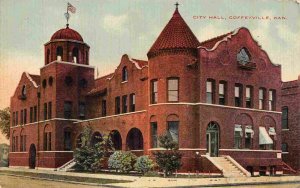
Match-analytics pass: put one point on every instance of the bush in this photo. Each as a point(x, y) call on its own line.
point(143, 164)
point(122, 161)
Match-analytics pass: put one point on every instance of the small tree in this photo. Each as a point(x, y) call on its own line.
point(122, 161)
point(143, 164)
point(90, 157)
point(168, 160)
point(5, 122)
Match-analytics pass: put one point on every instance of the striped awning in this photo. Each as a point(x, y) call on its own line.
point(264, 137)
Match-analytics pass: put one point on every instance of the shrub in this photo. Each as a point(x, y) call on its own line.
point(122, 161)
point(143, 164)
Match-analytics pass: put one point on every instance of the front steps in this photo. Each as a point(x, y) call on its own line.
point(68, 166)
point(229, 166)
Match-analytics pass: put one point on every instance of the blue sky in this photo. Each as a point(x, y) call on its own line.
point(113, 28)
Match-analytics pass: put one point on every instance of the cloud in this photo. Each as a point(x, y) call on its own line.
point(115, 23)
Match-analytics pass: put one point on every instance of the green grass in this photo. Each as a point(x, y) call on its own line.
point(63, 177)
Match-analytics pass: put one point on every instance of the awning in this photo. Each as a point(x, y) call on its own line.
point(272, 131)
point(248, 129)
point(264, 137)
point(238, 128)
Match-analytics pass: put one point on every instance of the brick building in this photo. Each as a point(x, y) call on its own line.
point(214, 98)
point(291, 123)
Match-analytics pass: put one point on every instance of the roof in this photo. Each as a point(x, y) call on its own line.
point(34, 79)
point(210, 43)
point(66, 33)
point(175, 35)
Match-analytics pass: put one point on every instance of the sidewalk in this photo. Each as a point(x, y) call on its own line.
point(173, 182)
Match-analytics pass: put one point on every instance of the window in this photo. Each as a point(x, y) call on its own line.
point(35, 114)
point(87, 57)
point(243, 57)
point(103, 107)
point(24, 90)
point(44, 83)
point(14, 143)
point(132, 102)
point(59, 53)
point(154, 138)
point(25, 116)
point(49, 110)
point(75, 55)
point(67, 140)
point(248, 136)
point(50, 81)
point(249, 97)
point(210, 88)
point(22, 143)
point(222, 90)
point(261, 98)
point(47, 141)
point(284, 147)
point(238, 95)
point(81, 110)
point(117, 105)
point(14, 119)
point(68, 80)
point(124, 104)
point(68, 109)
point(31, 115)
point(284, 117)
point(83, 83)
point(124, 74)
point(238, 133)
point(154, 92)
point(45, 111)
point(48, 57)
point(173, 90)
point(17, 118)
point(21, 121)
point(173, 130)
point(271, 100)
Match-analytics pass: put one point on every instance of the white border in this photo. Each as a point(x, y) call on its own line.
point(55, 151)
point(68, 63)
point(45, 121)
point(250, 150)
point(216, 105)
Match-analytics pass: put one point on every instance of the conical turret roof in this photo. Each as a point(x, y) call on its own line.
point(175, 35)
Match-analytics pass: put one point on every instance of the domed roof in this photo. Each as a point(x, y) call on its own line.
point(66, 33)
point(175, 35)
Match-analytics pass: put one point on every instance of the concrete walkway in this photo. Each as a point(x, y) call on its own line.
point(173, 182)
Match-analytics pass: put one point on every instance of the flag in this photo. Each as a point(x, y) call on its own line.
point(71, 8)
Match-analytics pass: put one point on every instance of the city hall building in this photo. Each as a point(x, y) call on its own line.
point(220, 99)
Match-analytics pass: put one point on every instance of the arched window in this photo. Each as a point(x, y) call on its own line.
point(124, 74)
point(47, 138)
point(75, 55)
point(116, 139)
point(97, 137)
point(134, 139)
point(24, 90)
point(48, 57)
point(59, 53)
point(243, 57)
point(67, 139)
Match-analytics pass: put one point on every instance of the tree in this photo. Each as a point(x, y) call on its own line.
point(143, 164)
point(122, 161)
point(90, 157)
point(168, 160)
point(5, 121)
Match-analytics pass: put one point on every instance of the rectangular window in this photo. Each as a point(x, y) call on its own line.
point(154, 93)
point(17, 118)
point(249, 97)
point(261, 98)
point(67, 141)
point(13, 144)
point(238, 95)
point(132, 102)
point(124, 103)
point(117, 105)
point(222, 90)
point(154, 138)
point(49, 110)
point(21, 143)
point(210, 92)
point(103, 104)
point(25, 116)
point(173, 90)
point(284, 117)
point(17, 143)
point(35, 114)
point(47, 141)
point(173, 130)
point(45, 111)
point(21, 117)
point(14, 119)
point(31, 115)
point(81, 110)
point(68, 105)
point(248, 140)
point(271, 100)
point(237, 140)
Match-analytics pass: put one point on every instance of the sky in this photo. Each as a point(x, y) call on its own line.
point(113, 28)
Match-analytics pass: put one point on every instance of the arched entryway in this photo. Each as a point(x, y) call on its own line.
point(134, 140)
point(116, 139)
point(32, 156)
point(97, 137)
point(212, 139)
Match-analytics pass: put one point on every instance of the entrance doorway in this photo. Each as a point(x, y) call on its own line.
point(212, 139)
point(32, 156)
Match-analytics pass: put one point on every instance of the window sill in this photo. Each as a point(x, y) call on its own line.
point(285, 129)
point(285, 152)
point(123, 82)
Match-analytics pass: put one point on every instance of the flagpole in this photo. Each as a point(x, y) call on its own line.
point(68, 16)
